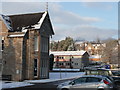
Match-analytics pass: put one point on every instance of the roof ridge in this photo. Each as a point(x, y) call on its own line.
point(25, 14)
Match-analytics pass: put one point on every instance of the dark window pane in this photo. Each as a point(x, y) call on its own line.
point(35, 67)
point(92, 79)
point(80, 80)
point(2, 44)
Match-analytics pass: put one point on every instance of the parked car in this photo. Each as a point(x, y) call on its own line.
point(114, 73)
point(97, 82)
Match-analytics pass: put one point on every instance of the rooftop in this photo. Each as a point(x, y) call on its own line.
point(68, 52)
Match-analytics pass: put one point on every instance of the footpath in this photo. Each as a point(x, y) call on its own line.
point(53, 76)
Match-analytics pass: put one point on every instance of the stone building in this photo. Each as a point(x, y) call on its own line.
point(25, 46)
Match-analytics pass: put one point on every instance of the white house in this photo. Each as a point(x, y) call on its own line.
point(70, 59)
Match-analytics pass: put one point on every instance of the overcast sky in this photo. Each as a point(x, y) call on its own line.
point(85, 20)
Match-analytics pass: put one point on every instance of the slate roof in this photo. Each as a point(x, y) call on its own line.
point(18, 23)
point(25, 20)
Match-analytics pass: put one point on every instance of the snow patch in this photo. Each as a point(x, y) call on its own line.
point(37, 26)
point(17, 35)
point(64, 69)
point(53, 76)
point(15, 84)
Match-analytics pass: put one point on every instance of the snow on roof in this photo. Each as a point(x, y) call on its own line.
point(37, 26)
point(68, 52)
point(25, 20)
point(7, 21)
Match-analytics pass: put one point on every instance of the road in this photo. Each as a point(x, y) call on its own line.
point(40, 86)
point(43, 86)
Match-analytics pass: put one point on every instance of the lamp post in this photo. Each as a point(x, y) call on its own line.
point(71, 61)
point(57, 65)
point(57, 61)
point(118, 52)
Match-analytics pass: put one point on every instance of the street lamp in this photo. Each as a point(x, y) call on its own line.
point(57, 65)
point(118, 52)
point(71, 61)
point(57, 61)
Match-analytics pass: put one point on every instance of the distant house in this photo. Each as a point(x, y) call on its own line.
point(96, 58)
point(25, 46)
point(70, 59)
point(94, 48)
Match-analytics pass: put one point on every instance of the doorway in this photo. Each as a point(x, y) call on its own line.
point(35, 67)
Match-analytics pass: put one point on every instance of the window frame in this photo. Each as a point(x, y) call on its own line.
point(36, 43)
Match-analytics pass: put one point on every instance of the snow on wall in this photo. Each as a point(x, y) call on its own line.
point(17, 35)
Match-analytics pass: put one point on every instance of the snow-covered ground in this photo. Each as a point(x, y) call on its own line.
point(15, 84)
point(64, 69)
point(65, 75)
point(53, 76)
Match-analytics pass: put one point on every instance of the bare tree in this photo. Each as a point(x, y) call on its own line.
point(110, 52)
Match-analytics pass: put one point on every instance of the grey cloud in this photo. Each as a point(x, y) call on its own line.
point(72, 19)
point(22, 7)
point(85, 32)
point(57, 14)
point(65, 23)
